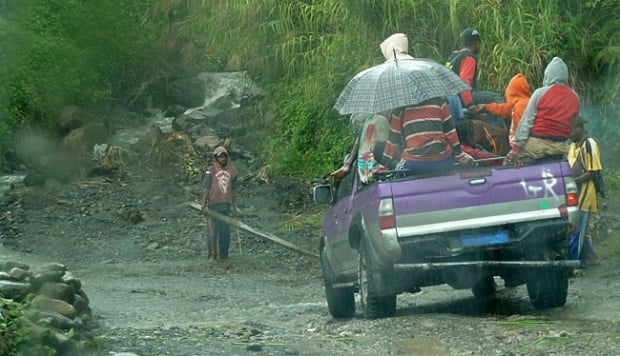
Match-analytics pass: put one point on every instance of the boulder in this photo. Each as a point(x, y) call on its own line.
point(13, 290)
point(58, 291)
point(18, 274)
point(70, 279)
point(54, 319)
point(10, 264)
point(39, 279)
point(44, 303)
point(79, 142)
point(189, 92)
point(71, 117)
point(48, 267)
point(207, 144)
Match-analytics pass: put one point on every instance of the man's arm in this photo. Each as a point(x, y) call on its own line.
point(346, 166)
point(591, 161)
point(522, 132)
point(205, 200)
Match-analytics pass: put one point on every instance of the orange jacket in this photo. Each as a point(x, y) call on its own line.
point(517, 96)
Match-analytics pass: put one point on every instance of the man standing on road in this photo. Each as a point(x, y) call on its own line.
point(585, 161)
point(219, 196)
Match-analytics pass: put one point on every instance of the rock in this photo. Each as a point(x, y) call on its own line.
point(61, 341)
point(79, 142)
point(175, 110)
point(37, 332)
point(207, 144)
point(184, 123)
point(8, 265)
point(131, 214)
point(40, 279)
point(188, 92)
point(84, 297)
point(48, 267)
point(18, 274)
point(70, 118)
point(81, 304)
point(85, 315)
point(69, 279)
point(54, 319)
point(13, 290)
point(58, 291)
point(54, 305)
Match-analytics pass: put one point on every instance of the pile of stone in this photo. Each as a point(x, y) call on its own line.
point(56, 310)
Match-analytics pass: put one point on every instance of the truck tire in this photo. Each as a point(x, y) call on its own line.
point(373, 305)
point(547, 288)
point(340, 301)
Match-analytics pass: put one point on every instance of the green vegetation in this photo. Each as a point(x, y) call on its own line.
point(60, 52)
point(87, 53)
point(12, 335)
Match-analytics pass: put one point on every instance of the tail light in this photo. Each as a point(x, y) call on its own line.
point(386, 214)
point(572, 195)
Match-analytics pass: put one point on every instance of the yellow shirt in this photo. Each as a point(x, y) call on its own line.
point(587, 158)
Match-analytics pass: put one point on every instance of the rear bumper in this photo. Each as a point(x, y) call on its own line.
point(533, 241)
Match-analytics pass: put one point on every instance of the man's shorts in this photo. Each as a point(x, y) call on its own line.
point(537, 148)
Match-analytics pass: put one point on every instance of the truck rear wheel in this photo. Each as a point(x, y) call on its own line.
point(340, 301)
point(373, 305)
point(547, 288)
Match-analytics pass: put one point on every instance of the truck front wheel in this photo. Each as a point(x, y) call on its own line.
point(547, 288)
point(373, 305)
point(340, 301)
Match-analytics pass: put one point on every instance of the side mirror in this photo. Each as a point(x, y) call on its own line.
point(322, 194)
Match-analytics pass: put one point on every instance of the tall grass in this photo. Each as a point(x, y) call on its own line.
point(308, 50)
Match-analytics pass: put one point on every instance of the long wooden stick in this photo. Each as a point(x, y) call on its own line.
point(239, 241)
point(213, 250)
point(244, 227)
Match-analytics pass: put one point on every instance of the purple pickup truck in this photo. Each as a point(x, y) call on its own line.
point(462, 228)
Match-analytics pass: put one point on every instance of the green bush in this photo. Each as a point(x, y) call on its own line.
point(13, 337)
point(70, 52)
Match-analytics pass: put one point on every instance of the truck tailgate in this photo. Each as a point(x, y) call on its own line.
point(479, 197)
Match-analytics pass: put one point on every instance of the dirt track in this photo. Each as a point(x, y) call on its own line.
point(153, 292)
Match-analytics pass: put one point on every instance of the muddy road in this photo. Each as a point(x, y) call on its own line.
point(140, 252)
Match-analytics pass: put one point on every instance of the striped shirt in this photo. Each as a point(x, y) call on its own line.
point(427, 131)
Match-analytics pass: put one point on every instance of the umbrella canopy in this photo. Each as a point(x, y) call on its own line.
point(396, 84)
